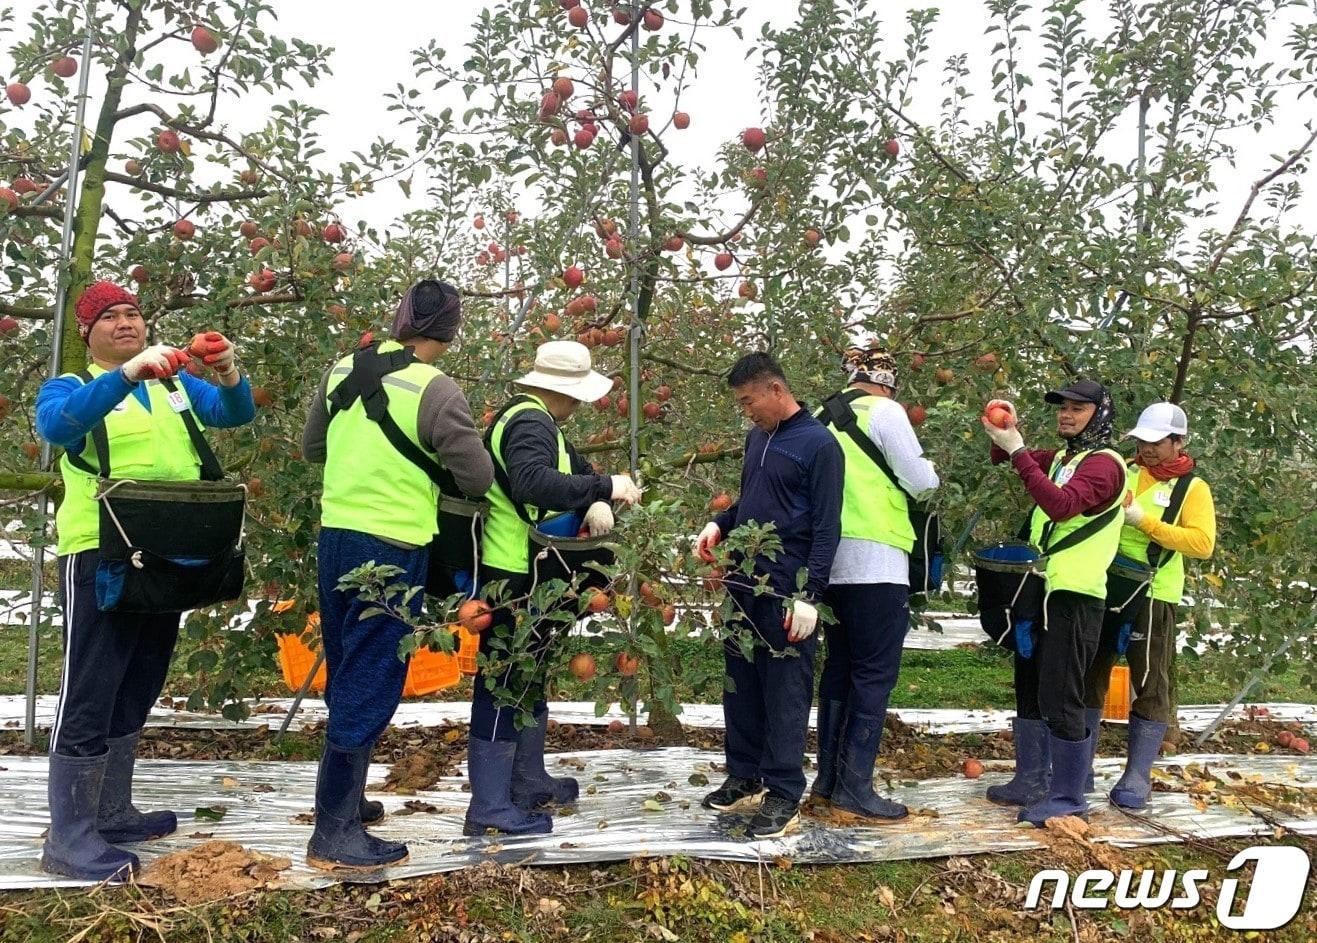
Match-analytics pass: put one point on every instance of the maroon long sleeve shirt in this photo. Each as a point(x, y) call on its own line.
point(1097, 482)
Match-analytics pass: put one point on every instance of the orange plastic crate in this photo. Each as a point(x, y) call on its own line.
point(468, 648)
point(427, 671)
point(1117, 704)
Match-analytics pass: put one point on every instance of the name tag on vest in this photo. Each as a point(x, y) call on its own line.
point(121, 406)
point(1161, 498)
point(1064, 475)
point(177, 401)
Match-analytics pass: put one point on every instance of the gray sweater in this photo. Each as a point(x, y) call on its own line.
point(443, 424)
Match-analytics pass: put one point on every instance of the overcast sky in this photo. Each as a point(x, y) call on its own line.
point(372, 44)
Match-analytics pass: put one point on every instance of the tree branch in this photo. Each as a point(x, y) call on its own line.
point(34, 314)
point(219, 196)
point(1252, 195)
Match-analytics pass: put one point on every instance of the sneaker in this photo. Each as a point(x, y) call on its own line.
point(735, 794)
point(776, 817)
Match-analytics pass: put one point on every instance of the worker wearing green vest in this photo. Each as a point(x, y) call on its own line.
point(869, 586)
point(1078, 486)
point(385, 421)
point(539, 478)
point(1159, 465)
point(115, 663)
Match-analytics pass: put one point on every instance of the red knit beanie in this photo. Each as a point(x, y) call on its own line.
point(96, 300)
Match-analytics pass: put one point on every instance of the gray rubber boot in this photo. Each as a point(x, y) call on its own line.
point(489, 767)
point(532, 786)
point(1033, 766)
point(1145, 742)
point(1066, 794)
point(1093, 722)
point(119, 820)
point(855, 761)
point(831, 718)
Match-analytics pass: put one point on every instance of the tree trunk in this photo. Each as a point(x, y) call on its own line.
point(87, 219)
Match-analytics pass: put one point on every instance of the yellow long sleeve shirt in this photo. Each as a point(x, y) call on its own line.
point(1195, 533)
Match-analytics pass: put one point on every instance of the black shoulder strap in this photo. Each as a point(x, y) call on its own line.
point(211, 470)
point(100, 442)
point(500, 472)
point(837, 411)
point(365, 381)
point(1170, 516)
point(1077, 536)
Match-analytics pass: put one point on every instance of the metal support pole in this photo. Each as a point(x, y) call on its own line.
point(64, 277)
point(633, 335)
point(301, 693)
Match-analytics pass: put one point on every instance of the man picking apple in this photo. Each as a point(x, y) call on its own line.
point(1083, 484)
point(1163, 475)
point(537, 472)
point(869, 586)
point(115, 662)
point(792, 477)
point(386, 423)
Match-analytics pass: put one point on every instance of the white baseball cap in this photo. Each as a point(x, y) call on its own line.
point(564, 366)
point(1158, 421)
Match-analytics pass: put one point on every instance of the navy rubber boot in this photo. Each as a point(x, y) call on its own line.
point(119, 820)
point(1093, 722)
point(339, 840)
point(859, 751)
point(489, 765)
point(1066, 794)
point(372, 810)
point(73, 846)
point(831, 717)
point(1033, 766)
point(1145, 742)
point(532, 786)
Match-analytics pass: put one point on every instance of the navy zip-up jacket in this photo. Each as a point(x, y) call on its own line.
point(793, 478)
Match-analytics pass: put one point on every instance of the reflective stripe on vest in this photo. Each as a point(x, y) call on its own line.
point(1168, 584)
point(369, 486)
point(1083, 567)
point(150, 445)
point(506, 541)
point(872, 508)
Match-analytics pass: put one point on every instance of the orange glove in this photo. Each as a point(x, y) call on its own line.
point(214, 350)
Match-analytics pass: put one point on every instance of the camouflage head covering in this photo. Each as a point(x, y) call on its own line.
point(870, 364)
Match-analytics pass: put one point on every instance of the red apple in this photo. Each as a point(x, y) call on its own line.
point(168, 141)
point(582, 666)
point(616, 727)
point(478, 222)
point(813, 236)
point(563, 88)
point(64, 67)
point(681, 121)
point(673, 243)
point(603, 404)
point(184, 230)
point(753, 139)
point(972, 768)
point(663, 393)
point(552, 323)
point(257, 244)
point(999, 416)
point(628, 99)
point(758, 175)
point(987, 363)
point(249, 229)
point(892, 147)
point(653, 20)
point(475, 615)
point(639, 124)
point(623, 406)
point(7, 326)
point(23, 185)
point(578, 17)
point(723, 261)
point(262, 281)
point(139, 274)
point(917, 415)
point(344, 261)
point(262, 397)
point(18, 93)
point(748, 290)
point(652, 411)
point(334, 232)
point(132, 167)
point(203, 41)
point(572, 276)
point(558, 137)
point(598, 601)
point(583, 137)
point(720, 502)
point(627, 664)
point(622, 16)
point(614, 248)
point(9, 198)
point(549, 105)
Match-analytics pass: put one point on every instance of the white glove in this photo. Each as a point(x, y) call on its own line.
point(1134, 514)
point(222, 363)
point(155, 362)
point(625, 490)
point(708, 539)
point(599, 518)
point(801, 621)
point(1008, 440)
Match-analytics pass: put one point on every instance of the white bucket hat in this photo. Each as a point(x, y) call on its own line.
point(564, 366)
point(1158, 421)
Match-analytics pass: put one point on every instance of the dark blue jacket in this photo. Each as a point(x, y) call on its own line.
point(793, 478)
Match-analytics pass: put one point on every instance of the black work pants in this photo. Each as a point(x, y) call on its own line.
point(1050, 685)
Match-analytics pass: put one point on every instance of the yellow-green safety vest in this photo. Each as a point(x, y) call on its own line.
point(1168, 584)
point(873, 507)
point(147, 445)
point(369, 486)
point(506, 541)
point(1083, 567)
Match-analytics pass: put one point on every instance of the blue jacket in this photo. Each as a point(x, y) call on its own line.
point(67, 409)
point(793, 478)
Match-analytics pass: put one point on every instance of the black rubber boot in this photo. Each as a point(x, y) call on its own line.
point(859, 752)
point(372, 810)
point(532, 786)
point(73, 845)
point(119, 820)
point(339, 840)
point(831, 717)
point(489, 766)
